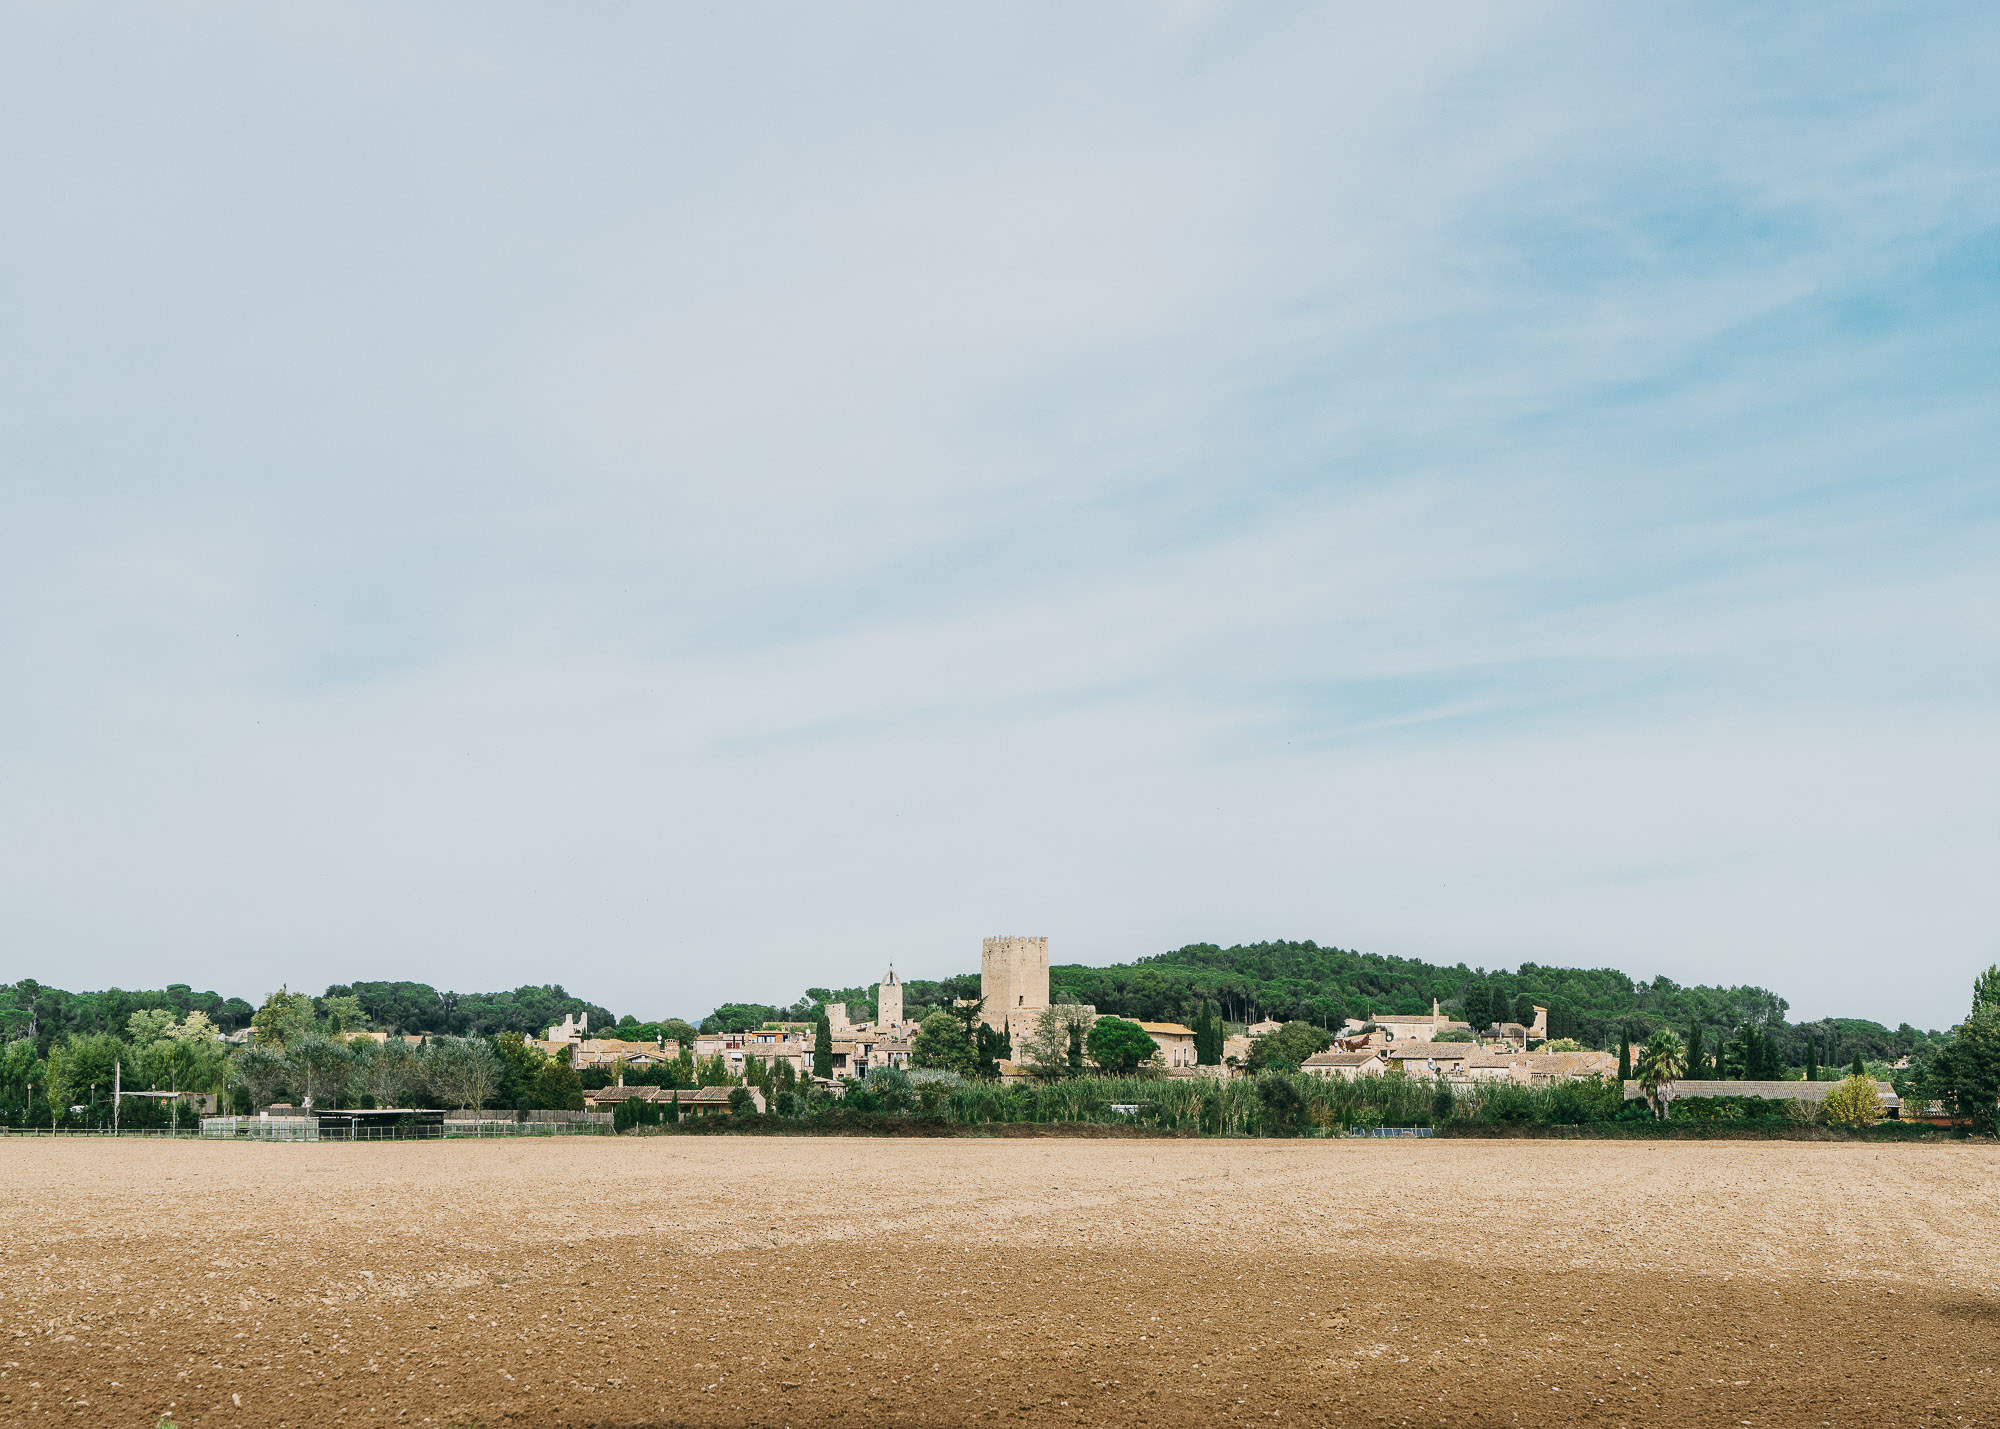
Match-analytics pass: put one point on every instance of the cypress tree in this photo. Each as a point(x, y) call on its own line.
point(1860, 1067)
point(822, 1046)
point(1812, 1059)
point(1695, 1055)
point(1624, 1054)
point(1075, 1049)
point(1479, 1005)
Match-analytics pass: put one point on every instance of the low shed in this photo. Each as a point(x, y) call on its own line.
point(1772, 1091)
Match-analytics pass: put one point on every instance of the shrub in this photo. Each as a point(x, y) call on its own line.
point(1854, 1103)
point(1504, 1104)
point(1282, 1104)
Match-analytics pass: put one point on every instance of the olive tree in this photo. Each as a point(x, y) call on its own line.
point(462, 1071)
point(387, 1073)
point(261, 1073)
point(1056, 1027)
point(317, 1067)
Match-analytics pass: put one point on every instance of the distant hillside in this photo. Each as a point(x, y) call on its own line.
point(30, 1009)
point(1311, 983)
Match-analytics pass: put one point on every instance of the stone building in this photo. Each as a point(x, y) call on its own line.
point(1175, 1041)
point(1344, 1065)
point(1014, 981)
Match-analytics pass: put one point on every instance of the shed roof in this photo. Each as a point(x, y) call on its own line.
point(1777, 1091)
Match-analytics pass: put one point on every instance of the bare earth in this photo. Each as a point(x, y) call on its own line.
point(726, 1281)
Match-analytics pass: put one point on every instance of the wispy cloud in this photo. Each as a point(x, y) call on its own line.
point(484, 498)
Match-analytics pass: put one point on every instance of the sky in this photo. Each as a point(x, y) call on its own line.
point(696, 502)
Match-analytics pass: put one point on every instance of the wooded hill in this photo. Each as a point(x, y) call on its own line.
point(1311, 983)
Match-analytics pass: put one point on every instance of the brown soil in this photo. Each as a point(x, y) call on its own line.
point(726, 1281)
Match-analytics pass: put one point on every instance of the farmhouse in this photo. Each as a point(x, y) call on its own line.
point(1176, 1043)
point(714, 1101)
point(1344, 1065)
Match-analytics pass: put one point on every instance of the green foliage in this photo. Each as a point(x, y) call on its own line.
point(1662, 1060)
point(822, 1046)
point(557, 1086)
point(627, 1114)
point(1965, 1073)
point(46, 1014)
point(1281, 1103)
point(387, 1074)
point(343, 1013)
point(741, 1103)
point(1307, 982)
point(1208, 1036)
point(317, 1068)
point(465, 1072)
point(740, 1017)
point(941, 1042)
point(87, 1068)
point(24, 1083)
point(1287, 1048)
point(285, 1016)
point(1854, 1103)
point(260, 1073)
point(1119, 1046)
point(415, 1007)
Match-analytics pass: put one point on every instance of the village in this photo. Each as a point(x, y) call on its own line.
point(1015, 1004)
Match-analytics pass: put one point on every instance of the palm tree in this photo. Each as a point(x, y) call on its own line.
point(1661, 1062)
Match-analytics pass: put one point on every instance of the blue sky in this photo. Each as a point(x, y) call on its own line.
point(693, 504)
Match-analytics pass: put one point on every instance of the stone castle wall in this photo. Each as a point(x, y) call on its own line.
point(1014, 980)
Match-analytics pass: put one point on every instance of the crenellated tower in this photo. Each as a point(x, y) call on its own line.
point(1014, 980)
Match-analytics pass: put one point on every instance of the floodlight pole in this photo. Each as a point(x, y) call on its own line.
point(117, 1092)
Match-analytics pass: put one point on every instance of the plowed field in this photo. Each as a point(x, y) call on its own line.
point(836, 1282)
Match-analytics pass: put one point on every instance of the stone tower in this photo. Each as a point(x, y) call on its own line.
point(1014, 980)
point(889, 1000)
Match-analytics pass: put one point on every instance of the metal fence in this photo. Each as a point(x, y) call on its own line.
point(574, 1124)
point(260, 1128)
point(186, 1133)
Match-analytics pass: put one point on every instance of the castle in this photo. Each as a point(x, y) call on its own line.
point(1014, 983)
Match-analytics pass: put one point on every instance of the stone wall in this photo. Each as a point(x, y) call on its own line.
point(1014, 980)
